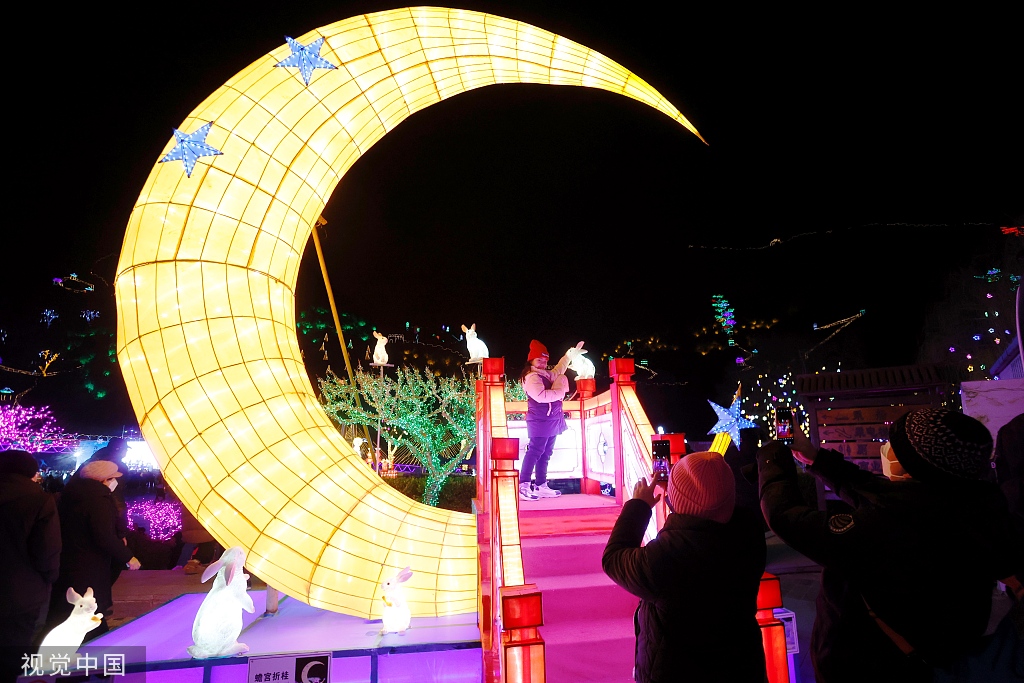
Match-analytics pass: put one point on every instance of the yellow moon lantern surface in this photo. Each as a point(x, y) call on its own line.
point(205, 289)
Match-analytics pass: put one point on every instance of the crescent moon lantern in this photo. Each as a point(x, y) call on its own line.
point(205, 290)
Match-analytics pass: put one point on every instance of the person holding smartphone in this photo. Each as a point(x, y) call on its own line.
point(909, 561)
point(697, 580)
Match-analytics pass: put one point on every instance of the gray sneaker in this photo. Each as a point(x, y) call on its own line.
point(525, 493)
point(543, 491)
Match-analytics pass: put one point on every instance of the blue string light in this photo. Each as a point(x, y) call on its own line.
point(305, 58)
point(191, 146)
point(730, 420)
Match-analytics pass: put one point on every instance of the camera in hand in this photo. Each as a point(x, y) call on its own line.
point(661, 461)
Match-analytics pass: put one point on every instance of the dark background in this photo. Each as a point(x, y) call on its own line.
point(857, 158)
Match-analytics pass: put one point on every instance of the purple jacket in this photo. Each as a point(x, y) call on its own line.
point(545, 390)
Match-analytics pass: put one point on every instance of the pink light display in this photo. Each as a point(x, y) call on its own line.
point(31, 429)
point(162, 519)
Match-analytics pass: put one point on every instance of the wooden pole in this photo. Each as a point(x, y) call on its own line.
point(273, 597)
point(321, 221)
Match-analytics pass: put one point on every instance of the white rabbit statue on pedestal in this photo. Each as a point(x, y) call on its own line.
point(475, 345)
point(219, 619)
point(396, 611)
point(380, 355)
point(69, 634)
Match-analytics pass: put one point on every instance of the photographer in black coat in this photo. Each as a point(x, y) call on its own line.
point(30, 548)
point(697, 580)
point(88, 519)
point(910, 565)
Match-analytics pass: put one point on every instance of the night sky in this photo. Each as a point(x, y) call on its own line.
point(854, 159)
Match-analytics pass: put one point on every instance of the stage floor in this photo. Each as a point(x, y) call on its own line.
point(433, 649)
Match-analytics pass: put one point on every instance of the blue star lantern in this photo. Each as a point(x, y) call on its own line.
point(730, 421)
point(306, 58)
point(190, 147)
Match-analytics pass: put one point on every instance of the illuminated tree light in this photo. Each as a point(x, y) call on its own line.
point(32, 429)
point(73, 283)
point(433, 417)
point(162, 519)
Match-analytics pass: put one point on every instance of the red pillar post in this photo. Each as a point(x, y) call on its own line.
point(493, 371)
point(621, 371)
point(773, 631)
point(586, 388)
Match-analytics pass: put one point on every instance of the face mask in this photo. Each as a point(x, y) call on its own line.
point(112, 485)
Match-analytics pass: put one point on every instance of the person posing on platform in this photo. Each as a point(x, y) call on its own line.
point(30, 548)
point(910, 560)
point(90, 542)
point(545, 419)
point(697, 581)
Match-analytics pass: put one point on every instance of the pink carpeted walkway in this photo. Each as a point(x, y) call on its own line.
point(588, 620)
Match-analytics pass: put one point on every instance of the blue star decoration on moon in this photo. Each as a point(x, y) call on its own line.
point(191, 146)
point(730, 421)
point(306, 58)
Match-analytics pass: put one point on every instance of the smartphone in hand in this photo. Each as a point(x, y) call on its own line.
point(784, 426)
point(661, 460)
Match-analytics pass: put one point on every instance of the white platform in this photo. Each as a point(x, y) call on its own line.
point(433, 649)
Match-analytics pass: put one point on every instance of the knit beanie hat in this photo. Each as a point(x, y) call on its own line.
point(941, 445)
point(100, 470)
point(18, 462)
point(702, 485)
point(536, 350)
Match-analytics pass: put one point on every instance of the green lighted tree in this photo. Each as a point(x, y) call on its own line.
point(433, 417)
point(514, 390)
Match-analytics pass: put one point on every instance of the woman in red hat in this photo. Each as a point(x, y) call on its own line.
point(545, 419)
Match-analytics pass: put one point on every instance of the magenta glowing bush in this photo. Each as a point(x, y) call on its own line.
point(161, 519)
point(31, 429)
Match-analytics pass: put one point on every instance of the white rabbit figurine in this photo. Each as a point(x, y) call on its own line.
point(583, 367)
point(70, 633)
point(380, 356)
point(219, 619)
point(396, 611)
point(476, 346)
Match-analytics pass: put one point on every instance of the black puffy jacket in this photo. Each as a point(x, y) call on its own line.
point(91, 546)
point(924, 556)
point(697, 582)
point(29, 543)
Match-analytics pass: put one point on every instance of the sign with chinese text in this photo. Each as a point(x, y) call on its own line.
point(301, 668)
